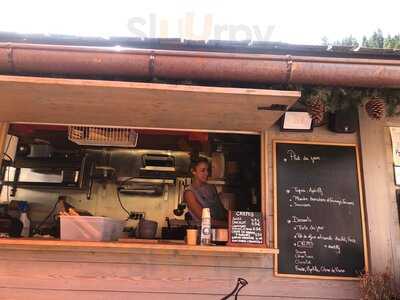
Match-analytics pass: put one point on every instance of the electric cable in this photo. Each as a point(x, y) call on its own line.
point(119, 198)
point(48, 216)
point(120, 203)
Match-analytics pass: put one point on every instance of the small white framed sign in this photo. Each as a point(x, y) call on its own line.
point(296, 121)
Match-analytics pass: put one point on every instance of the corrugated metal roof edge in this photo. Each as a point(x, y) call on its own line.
point(257, 47)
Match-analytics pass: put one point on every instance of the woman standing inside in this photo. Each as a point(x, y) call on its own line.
point(201, 195)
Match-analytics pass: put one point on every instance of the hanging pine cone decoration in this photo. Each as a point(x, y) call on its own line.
point(375, 108)
point(316, 109)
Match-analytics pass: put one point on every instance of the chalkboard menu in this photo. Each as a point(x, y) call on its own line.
point(319, 218)
point(246, 227)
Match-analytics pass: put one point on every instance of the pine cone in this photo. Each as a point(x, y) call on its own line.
point(316, 109)
point(375, 108)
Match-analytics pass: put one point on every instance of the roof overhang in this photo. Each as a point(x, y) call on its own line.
point(141, 105)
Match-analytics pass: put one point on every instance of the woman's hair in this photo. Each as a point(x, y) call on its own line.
point(198, 161)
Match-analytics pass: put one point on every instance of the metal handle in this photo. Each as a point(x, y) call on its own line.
point(241, 283)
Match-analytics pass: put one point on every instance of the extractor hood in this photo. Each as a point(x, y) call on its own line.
point(144, 166)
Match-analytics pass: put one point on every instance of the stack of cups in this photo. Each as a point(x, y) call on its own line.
point(205, 237)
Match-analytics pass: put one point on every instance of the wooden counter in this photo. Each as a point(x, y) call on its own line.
point(120, 247)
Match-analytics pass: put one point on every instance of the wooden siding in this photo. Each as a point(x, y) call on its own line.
point(3, 137)
point(103, 276)
point(380, 193)
point(60, 274)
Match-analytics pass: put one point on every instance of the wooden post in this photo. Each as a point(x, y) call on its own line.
point(380, 195)
point(3, 138)
point(264, 185)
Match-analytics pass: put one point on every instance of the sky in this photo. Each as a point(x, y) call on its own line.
point(299, 22)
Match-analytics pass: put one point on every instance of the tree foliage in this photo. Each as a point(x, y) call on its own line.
point(342, 98)
point(347, 41)
point(337, 98)
point(376, 40)
point(392, 42)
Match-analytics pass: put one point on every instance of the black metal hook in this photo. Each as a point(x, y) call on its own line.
point(241, 283)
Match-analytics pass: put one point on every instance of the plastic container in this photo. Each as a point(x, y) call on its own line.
point(117, 229)
point(85, 228)
point(147, 229)
point(26, 224)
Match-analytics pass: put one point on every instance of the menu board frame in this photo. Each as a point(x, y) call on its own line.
point(236, 244)
point(275, 208)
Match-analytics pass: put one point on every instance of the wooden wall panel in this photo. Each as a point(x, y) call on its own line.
point(30, 274)
point(139, 258)
point(3, 138)
point(26, 294)
point(394, 218)
point(379, 194)
point(383, 218)
point(147, 278)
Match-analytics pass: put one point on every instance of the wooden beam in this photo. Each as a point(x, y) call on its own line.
point(264, 186)
point(118, 247)
point(135, 104)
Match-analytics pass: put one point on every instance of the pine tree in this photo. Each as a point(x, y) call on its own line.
point(376, 40)
point(392, 42)
point(347, 41)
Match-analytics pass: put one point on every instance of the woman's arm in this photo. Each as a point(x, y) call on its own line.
point(195, 208)
point(193, 205)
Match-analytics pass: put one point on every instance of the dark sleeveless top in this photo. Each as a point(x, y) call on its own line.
point(207, 196)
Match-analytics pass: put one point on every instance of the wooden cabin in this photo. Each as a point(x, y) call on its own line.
point(325, 201)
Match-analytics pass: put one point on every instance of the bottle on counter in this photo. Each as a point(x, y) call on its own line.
point(205, 236)
point(26, 223)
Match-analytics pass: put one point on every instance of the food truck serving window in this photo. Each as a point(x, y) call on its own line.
point(133, 197)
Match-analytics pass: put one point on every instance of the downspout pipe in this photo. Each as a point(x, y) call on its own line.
point(49, 60)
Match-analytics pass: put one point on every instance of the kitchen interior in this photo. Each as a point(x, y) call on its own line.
point(136, 176)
